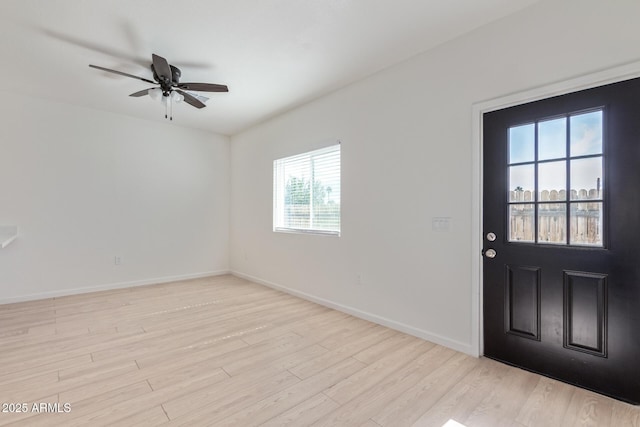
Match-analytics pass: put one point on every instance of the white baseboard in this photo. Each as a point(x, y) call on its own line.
point(402, 327)
point(110, 286)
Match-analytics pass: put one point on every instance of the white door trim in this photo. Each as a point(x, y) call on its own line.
point(599, 78)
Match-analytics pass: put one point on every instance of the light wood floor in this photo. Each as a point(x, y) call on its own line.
point(224, 351)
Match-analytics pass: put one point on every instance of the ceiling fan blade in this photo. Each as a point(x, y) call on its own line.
point(199, 97)
point(122, 74)
point(141, 93)
point(191, 100)
point(203, 87)
point(162, 67)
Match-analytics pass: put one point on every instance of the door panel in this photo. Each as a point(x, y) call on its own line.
point(562, 195)
point(522, 301)
point(585, 312)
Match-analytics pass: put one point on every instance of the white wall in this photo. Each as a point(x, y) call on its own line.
point(86, 185)
point(406, 158)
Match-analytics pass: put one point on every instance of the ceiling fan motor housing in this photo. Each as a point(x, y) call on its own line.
point(175, 77)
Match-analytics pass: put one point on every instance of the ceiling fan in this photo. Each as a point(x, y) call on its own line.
point(168, 78)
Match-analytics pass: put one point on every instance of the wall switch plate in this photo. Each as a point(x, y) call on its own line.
point(117, 260)
point(441, 224)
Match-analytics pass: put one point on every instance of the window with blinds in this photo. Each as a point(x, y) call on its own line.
point(306, 192)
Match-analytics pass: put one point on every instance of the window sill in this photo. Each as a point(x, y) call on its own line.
point(304, 231)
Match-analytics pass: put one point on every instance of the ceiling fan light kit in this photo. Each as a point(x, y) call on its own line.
point(166, 98)
point(170, 89)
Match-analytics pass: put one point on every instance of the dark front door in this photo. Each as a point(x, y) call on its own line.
point(562, 238)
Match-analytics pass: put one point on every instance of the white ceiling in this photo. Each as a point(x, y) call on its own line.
point(273, 54)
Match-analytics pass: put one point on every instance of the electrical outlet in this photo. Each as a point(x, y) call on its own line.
point(117, 260)
point(359, 279)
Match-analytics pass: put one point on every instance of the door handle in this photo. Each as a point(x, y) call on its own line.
point(490, 253)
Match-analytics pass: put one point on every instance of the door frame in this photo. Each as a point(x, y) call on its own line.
point(586, 81)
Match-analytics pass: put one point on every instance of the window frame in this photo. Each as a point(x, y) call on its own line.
point(279, 185)
point(536, 203)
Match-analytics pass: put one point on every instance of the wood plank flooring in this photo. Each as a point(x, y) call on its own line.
point(223, 351)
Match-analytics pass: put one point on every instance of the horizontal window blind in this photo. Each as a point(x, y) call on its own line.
point(307, 192)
